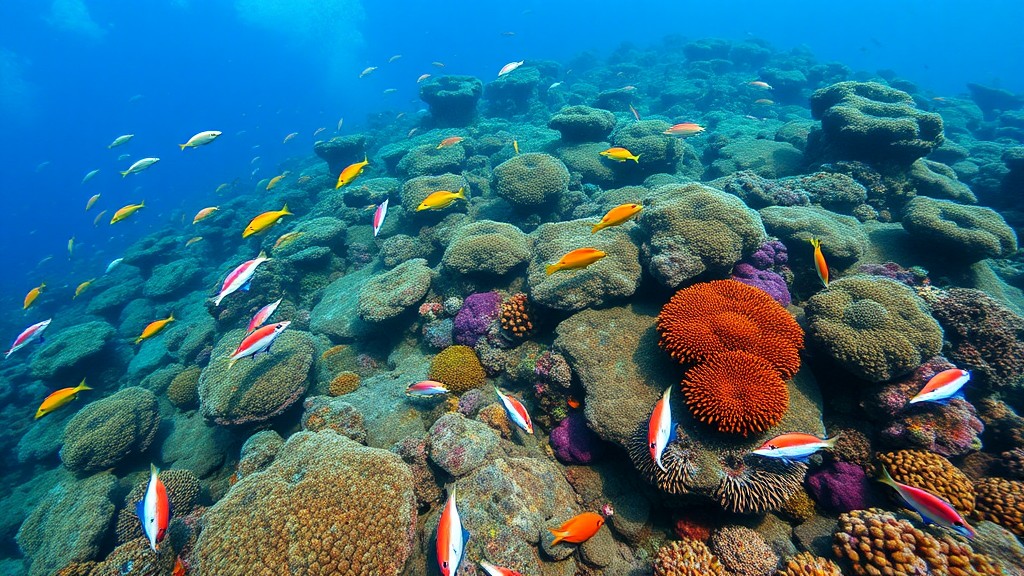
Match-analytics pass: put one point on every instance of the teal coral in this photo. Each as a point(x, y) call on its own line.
point(67, 352)
point(530, 181)
point(970, 232)
point(387, 295)
point(488, 248)
point(583, 124)
point(109, 430)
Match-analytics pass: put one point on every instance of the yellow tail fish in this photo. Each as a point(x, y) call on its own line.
point(350, 172)
point(127, 211)
point(59, 398)
point(618, 215)
point(819, 262)
point(264, 221)
point(441, 199)
point(575, 260)
point(154, 328)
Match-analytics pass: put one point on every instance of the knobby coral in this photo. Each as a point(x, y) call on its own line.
point(686, 558)
point(1001, 501)
point(458, 368)
point(933, 473)
point(807, 564)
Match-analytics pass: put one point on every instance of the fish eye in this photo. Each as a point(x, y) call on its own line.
point(653, 445)
point(444, 564)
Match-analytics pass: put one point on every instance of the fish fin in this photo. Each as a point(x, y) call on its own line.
point(636, 158)
point(231, 362)
point(598, 226)
point(124, 174)
point(461, 193)
point(153, 470)
point(246, 286)
point(887, 478)
point(142, 204)
point(365, 159)
point(559, 535)
point(183, 146)
point(263, 253)
point(140, 511)
point(815, 243)
point(82, 386)
point(551, 269)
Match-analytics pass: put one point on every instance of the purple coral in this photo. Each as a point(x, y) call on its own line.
point(575, 443)
point(553, 368)
point(771, 254)
point(914, 276)
point(769, 281)
point(839, 487)
point(475, 317)
point(950, 429)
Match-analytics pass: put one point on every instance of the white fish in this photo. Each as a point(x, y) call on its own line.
point(240, 277)
point(139, 166)
point(113, 264)
point(92, 174)
point(123, 157)
point(509, 67)
point(27, 336)
point(201, 139)
point(378, 216)
point(554, 85)
point(120, 140)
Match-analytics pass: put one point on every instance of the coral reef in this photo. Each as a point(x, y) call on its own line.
point(686, 558)
point(183, 391)
point(574, 443)
point(517, 315)
point(460, 445)
point(531, 181)
point(452, 99)
point(807, 564)
point(110, 430)
point(582, 124)
point(475, 317)
point(486, 247)
point(840, 487)
point(933, 473)
point(743, 552)
point(389, 294)
point(970, 233)
point(458, 368)
point(736, 392)
point(344, 383)
point(1001, 501)
point(325, 412)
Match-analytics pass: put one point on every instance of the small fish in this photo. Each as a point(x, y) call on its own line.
point(204, 214)
point(277, 179)
point(289, 137)
point(620, 154)
point(154, 510)
point(127, 211)
point(341, 122)
point(493, 570)
point(515, 145)
point(426, 388)
point(259, 342)
point(943, 387)
point(578, 529)
point(59, 398)
point(660, 430)
point(515, 411)
point(261, 317)
point(452, 537)
point(303, 179)
point(113, 264)
point(575, 260)
point(389, 91)
point(200, 139)
point(438, 64)
point(508, 34)
point(450, 141)
point(139, 166)
point(933, 510)
point(28, 335)
point(572, 402)
point(264, 221)
point(318, 131)
point(92, 174)
point(393, 58)
point(92, 200)
point(286, 239)
point(422, 78)
point(764, 102)
point(123, 157)
point(554, 85)
point(223, 187)
point(635, 113)
point(411, 132)
point(441, 199)
point(240, 277)
point(939, 99)
point(154, 328)
point(794, 446)
point(684, 129)
point(121, 140)
point(255, 160)
point(96, 220)
point(33, 294)
point(179, 568)
point(82, 288)
point(616, 216)
point(399, 116)
point(378, 216)
point(367, 71)
point(42, 165)
point(71, 247)
point(629, 88)
point(193, 240)
point(819, 262)
point(351, 172)
point(760, 84)
point(509, 67)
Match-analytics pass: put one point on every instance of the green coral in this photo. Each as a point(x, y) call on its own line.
point(766, 158)
point(583, 124)
point(417, 189)
point(970, 232)
point(458, 368)
point(183, 390)
point(842, 239)
point(529, 181)
point(387, 295)
point(585, 160)
point(487, 247)
point(658, 152)
point(67, 350)
point(109, 430)
point(429, 160)
point(876, 328)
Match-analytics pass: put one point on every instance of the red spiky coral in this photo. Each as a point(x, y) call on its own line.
point(711, 318)
point(736, 392)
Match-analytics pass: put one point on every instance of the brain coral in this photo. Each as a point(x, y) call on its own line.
point(1001, 501)
point(807, 564)
point(876, 328)
point(710, 318)
point(183, 390)
point(933, 473)
point(736, 392)
point(326, 505)
point(686, 558)
point(529, 181)
point(970, 232)
point(487, 247)
point(690, 229)
point(743, 552)
point(107, 431)
point(458, 368)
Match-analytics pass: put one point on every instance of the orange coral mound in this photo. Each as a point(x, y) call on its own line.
point(725, 315)
point(736, 392)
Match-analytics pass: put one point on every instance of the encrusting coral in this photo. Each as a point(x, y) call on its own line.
point(686, 558)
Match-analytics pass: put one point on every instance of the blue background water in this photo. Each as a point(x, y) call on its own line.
point(260, 69)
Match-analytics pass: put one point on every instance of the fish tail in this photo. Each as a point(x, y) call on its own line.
point(139, 339)
point(183, 146)
point(598, 226)
point(439, 146)
point(142, 204)
point(153, 469)
point(815, 243)
point(124, 174)
point(231, 363)
point(636, 158)
point(887, 478)
point(551, 269)
point(285, 210)
point(82, 386)
point(171, 317)
point(461, 193)
point(559, 535)
point(831, 442)
point(263, 253)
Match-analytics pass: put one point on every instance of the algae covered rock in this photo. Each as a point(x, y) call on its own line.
point(766, 158)
point(320, 412)
point(530, 181)
point(325, 506)
point(255, 390)
point(459, 445)
point(452, 99)
point(969, 232)
point(336, 313)
point(341, 151)
point(387, 295)
point(487, 247)
point(109, 430)
point(66, 352)
point(583, 124)
point(658, 153)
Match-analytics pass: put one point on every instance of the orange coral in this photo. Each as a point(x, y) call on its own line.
point(515, 315)
point(736, 392)
point(344, 383)
point(725, 315)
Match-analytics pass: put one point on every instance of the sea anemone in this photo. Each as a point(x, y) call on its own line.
point(755, 486)
point(737, 393)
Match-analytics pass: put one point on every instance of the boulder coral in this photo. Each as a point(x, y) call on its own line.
point(1001, 501)
point(743, 552)
point(452, 99)
point(583, 124)
point(486, 247)
point(460, 445)
point(842, 240)
point(388, 295)
point(531, 181)
point(807, 564)
point(67, 352)
point(325, 412)
point(458, 368)
point(475, 317)
point(646, 139)
point(970, 233)
point(340, 151)
point(107, 431)
point(429, 160)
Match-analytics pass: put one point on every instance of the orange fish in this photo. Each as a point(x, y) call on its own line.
point(573, 402)
point(59, 398)
point(579, 258)
point(618, 215)
point(193, 240)
point(154, 328)
point(620, 154)
point(578, 529)
point(684, 129)
point(819, 262)
point(179, 568)
point(450, 141)
point(351, 172)
point(204, 214)
point(33, 294)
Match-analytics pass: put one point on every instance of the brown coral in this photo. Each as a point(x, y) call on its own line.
point(344, 383)
point(1001, 501)
point(183, 390)
point(933, 473)
point(807, 564)
point(517, 315)
point(743, 552)
point(736, 392)
point(458, 368)
point(799, 507)
point(710, 318)
point(686, 558)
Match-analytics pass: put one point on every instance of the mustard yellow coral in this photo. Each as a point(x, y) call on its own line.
point(458, 368)
point(344, 383)
point(807, 564)
point(933, 473)
point(183, 390)
point(686, 558)
point(1001, 501)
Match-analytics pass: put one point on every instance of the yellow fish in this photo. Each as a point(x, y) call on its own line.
point(276, 179)
point(264, 221)
point(819, 262)
point(81, 288)
point(441, 199)
point(620, 154)
point(618, 215)
point(91, 201)
point(154, 328)
point(204, 214)
point(578, 258)
point(515, 146)
point(286, 239)
point(193, 240)
point(59, 398)
point(223, 187)
point(33, 294)
point(350, 172)
point(127, 211)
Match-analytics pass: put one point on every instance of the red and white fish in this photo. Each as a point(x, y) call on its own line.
point(451, 537)
point(240, 277)
point(258, 342)
point(660, 430)
point(378, 216)
point(33, 332)
point(154, 510)
point(509, 67)
point(515, 411)
point(426, 388)
point(943, 386)
point(493, 570)
point(933, 510)
point(794, 446)
point(261, 317)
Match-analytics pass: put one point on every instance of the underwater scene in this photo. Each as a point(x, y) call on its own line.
point(330, 287)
